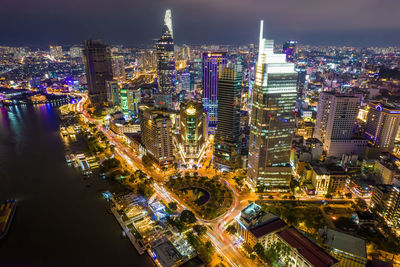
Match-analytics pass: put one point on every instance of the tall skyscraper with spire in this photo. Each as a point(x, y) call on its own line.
point(272, 117)
point(166, 63)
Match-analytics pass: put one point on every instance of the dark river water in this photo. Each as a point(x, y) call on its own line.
point(59, 221)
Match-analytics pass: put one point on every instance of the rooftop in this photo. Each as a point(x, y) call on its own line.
point(346, 243)
point(306, 248)
point(269, 226)
point(250, 211)
point(328, 169)
point(166, 254)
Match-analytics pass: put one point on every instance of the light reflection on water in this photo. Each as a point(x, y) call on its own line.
point(59, 220)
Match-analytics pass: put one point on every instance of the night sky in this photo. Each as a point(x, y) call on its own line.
point(132, 22)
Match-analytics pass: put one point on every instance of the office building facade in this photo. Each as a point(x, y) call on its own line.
point(272, 118)
point(383, 121)
point(98, 68)
point(213, 64)
point(226, 141)
point(112, 93)
point(192, 134)
point(156, 134)
point(385, 200)
point(336, 116)
point(118, 68)
point(166, 71)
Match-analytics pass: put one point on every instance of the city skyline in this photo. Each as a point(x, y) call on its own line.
point(134, 24)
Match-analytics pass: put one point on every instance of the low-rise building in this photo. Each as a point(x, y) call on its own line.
point(256, 226)
point(328, 179)
point(121, 127)
point(302, 251)
point(348, 249)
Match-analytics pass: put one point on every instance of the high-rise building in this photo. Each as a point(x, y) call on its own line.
point(336, 116)
point(56, 51)
point(118, 68)
point(193, 133)
point(134, 97)
point(272, 118)
point(383, 121)
point(123, 96)
point(156, 133)
point(166, 62)
point(113, 93)
point(148, 60)
point(213, 64)
point(98, 68)
point(385, 201)
point(226, 141)
point(289, 49)
point(75, 52)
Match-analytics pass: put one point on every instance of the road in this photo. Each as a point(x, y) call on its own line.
point(222, 241)
point(216, 227)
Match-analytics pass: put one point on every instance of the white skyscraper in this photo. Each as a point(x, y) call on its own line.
point(168, 21)
point(334, 125)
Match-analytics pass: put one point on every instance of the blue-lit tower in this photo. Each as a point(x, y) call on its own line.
point(213, 64)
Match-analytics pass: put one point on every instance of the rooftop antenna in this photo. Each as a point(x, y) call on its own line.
point(261, 41)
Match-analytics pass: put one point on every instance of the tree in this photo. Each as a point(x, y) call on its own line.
point(259, 249)
point(277, 251)
point(173, 206)
point(199, 229)
point(361, 204)
point(328, 195)
point(345, 223)
point(293, 184)
point(187, 216)
point(231, 229)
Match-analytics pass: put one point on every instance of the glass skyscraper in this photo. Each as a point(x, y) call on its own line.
point(226, 142)
point(166, 63)
point(213, 64)
point(98, 70)
point(272, 118)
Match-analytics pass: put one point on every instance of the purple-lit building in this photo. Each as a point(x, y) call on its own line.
point(213, 64)
point(383, 122)
point(289, 48)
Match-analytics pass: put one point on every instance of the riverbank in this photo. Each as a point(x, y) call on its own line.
point(60, 221)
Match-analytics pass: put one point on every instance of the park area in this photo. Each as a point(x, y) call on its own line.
point(209, 198)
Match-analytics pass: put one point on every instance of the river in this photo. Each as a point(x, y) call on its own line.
point(59, 221)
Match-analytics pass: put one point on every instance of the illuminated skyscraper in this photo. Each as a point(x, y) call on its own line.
point(166, 63)
point(213, 64)
point(98, 68)
point(272, 117)
point(123, 96)
point(75, 52)
point(156, 133)
point(335, 121)
point(289, 49)
point(56, 51)
point(118, 68)
point(383, 121)
point(226, 141)
point(113, 93)
point(193, 133)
